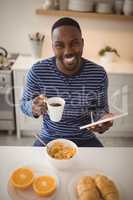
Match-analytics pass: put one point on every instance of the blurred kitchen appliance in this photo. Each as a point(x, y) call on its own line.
point(7, 118)
point(3, 57)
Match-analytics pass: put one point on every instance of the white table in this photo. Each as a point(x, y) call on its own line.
point(114, 162)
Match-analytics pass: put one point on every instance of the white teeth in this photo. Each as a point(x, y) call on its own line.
point(70, 60)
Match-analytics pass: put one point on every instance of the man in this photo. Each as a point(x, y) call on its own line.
point(82, 83)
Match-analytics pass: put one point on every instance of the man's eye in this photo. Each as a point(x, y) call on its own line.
point(59, 46)
point(76, 43)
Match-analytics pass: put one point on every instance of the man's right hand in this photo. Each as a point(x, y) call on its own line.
point(39, 106)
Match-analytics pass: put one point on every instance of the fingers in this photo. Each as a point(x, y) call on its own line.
point(44, 109)
point(107, 124)
point(97, 129)
point(107, 115)
point(101, 128)
point(39, 100)
point(39, 106)
point(36, 110)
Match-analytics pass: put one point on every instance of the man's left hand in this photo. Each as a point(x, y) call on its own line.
point(101, 128)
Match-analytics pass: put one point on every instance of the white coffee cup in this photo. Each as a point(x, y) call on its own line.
point(55, 108)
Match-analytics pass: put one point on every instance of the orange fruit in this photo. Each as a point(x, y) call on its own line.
point(44, 185)
point(22, 178)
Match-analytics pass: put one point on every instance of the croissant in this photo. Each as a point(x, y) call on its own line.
point(86, 189)
point(107, 188)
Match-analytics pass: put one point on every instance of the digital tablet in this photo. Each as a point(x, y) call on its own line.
point(113, 117)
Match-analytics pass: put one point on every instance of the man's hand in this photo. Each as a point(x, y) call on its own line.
point(39, 106)
point(101, 128)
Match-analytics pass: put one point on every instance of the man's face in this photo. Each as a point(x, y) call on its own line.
point(67, 45)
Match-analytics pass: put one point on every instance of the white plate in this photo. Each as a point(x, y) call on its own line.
point(91, 172)
point(27, 194)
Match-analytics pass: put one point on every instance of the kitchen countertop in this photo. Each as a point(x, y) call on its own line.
point(116, 163)
point(23, 63)
point(118, 67)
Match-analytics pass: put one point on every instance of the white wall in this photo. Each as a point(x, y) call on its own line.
point(18, 18)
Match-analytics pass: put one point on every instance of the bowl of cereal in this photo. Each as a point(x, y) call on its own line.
point(62, 153)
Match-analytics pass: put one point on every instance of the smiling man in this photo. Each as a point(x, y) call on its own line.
point(68, 46)
point(82, 83)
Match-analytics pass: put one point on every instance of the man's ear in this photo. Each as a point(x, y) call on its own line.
point(52, 45)
point(82, 42)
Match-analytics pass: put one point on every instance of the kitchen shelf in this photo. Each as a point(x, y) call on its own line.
point(82, 14)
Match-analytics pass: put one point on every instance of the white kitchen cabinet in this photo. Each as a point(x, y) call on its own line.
point(121, 97)
point(23, 123)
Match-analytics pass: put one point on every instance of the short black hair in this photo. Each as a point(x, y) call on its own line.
point(65, 21)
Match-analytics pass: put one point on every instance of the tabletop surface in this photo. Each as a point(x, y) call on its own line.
point(116, 163)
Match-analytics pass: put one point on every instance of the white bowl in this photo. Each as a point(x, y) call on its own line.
point(63, 164)
point(103, 7)
point(79, 5)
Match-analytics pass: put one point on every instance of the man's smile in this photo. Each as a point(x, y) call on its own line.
point(69, 60)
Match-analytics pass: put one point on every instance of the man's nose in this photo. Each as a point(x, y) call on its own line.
point(68, 51)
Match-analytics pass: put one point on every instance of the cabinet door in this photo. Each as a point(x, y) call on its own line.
point(24, 122)
point(121, 98)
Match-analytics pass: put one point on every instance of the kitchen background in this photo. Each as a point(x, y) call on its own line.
point(19, 18)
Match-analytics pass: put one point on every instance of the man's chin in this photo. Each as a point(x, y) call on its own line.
point(70, 67)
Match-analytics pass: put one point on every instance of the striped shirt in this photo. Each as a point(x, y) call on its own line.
point(83, 92)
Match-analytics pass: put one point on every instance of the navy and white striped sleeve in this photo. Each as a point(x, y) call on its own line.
point(30, 91)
